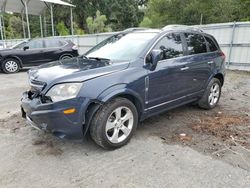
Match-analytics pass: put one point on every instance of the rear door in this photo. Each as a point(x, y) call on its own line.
point(53, 49)
point(168, 82)
point(199, 61)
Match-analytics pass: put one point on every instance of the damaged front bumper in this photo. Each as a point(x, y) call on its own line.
point(50, 116)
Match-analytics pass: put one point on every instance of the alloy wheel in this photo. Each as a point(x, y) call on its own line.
point(214, 94)
point(119, 124)
point(11, 66)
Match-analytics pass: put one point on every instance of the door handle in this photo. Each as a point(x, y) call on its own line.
point(184, 68)
point(210, 62)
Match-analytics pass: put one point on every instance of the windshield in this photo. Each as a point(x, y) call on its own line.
point(19, 45)
point(121, 47)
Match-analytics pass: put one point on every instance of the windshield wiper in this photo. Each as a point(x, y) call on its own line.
point(99, 58)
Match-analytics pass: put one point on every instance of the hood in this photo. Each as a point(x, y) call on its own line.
point(74, 70)
point(7, 50)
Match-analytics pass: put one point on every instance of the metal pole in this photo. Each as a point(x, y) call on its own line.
point(231, 44)
point(24, 31)
point(201, 19)
point(71, 20)
point(41, 25)
point(45, 26)
point(1, 28)
point(52, 20)
point(4, 33)
point(27, 18)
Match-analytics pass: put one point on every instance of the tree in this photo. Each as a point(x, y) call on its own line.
point(77, 29)
point(122, 14)
point(163, 12)
point(14, 28)
point(97, 24)
point(62, 29)
point(146, 22)
point(119, 14)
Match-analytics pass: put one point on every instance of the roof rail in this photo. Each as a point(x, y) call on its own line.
point(135, 29)
point(194, 28)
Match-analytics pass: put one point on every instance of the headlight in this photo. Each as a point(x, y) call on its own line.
point(62, 92)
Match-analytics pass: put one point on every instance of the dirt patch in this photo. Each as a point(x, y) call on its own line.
point(46, 147)
point(223, 126)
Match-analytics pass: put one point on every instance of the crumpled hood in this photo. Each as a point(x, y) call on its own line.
point(74, 70)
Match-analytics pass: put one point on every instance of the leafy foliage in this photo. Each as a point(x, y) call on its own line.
point(62, 29)
point(97, 24)
point(163, 12)
point(14, 28)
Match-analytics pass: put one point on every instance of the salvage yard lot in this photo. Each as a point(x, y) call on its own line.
point(185, 147)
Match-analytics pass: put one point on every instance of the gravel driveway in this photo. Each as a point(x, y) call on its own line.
point(185, 147)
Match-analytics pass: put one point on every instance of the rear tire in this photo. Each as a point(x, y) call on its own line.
point(211, 95)
point(65, 57)
point(10, 65)
point(114, 123)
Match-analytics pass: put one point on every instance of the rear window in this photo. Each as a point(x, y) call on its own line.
point(53, 43)
point(196, 43)
point(212, 46)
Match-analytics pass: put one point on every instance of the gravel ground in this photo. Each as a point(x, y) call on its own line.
point(185, 147)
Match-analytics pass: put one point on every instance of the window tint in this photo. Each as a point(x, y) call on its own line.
point(53, 43)
point(195, 43)
point(211, 44)
point(35, 44)
point(171, 46)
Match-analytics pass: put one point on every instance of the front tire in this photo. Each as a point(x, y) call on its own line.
point(10, 66)
point(211, 95)
point(114, 123)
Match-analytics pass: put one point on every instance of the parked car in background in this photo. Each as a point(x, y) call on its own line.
point(36, 52)
point(123, 80)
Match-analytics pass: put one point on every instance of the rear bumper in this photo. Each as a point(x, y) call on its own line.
point(50, 116)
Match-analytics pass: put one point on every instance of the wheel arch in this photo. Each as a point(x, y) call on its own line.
point(123, 93)
point(14, 57)
point(220, 77)
point(128, 94)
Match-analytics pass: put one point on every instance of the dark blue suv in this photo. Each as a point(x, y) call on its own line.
point(123, 80)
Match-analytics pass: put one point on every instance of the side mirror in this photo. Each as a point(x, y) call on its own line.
point(25, 48)
point(153, 58)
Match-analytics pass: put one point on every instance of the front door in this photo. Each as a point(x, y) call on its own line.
point(33, 55)
point(171, 78)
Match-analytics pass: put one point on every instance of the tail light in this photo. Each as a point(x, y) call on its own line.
point(75, 47)
point(222, 55)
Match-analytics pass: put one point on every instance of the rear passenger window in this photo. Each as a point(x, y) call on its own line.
point(53, 43)
point(212, 46)
point(171, 45)
point(195, 43)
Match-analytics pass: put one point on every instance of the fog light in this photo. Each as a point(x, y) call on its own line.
point(69, 111)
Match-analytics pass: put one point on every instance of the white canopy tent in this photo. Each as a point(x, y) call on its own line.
point(32, 7)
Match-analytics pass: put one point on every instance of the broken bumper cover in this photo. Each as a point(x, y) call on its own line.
point(50, 116)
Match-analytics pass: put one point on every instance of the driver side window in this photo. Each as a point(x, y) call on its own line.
point(171, 45)
point(34, 44)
